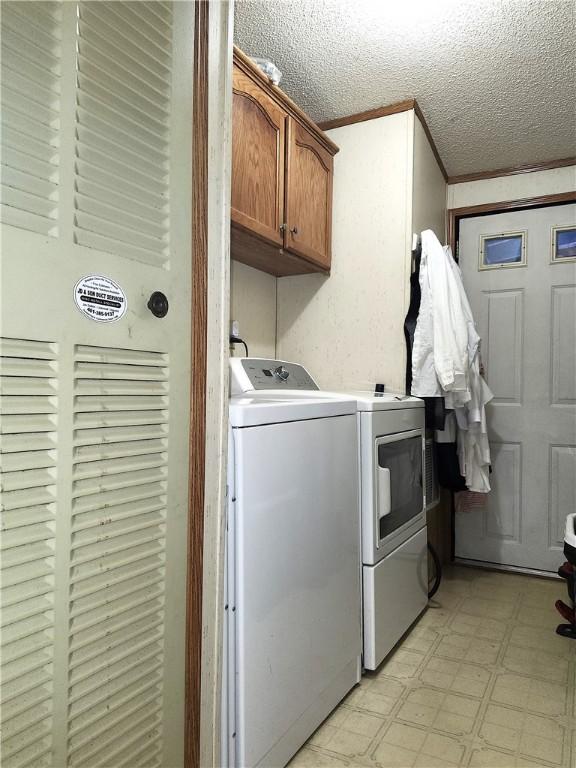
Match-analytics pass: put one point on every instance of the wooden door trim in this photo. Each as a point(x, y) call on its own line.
point(454, 215)
point(198, 387)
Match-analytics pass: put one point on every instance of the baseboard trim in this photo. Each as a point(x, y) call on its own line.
point(505, 568)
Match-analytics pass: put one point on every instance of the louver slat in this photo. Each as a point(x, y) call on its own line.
point(149, 28)
point(124, 60)
point(99, 50)
point(28, 518)
point(93, 108)
point(117, 553)
point(30, 106)
point(104, 19)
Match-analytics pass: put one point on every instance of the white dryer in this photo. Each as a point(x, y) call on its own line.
point(392, 465)
point(293, 603)
point(393, 506)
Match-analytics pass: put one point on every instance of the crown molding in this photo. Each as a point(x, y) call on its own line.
point(385, 111)
point(512, 171)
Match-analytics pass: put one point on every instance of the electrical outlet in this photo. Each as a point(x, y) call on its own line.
point(235, 328)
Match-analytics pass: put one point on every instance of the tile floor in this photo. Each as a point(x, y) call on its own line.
point(481, 680)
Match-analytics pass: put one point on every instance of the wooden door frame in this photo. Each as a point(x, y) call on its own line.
point(453, 215)
point(197, 444)
point(453, 218)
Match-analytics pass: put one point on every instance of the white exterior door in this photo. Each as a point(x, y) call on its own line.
point(96, 180)
point(526, 316)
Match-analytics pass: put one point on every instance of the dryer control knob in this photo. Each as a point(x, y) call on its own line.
point(281, 373)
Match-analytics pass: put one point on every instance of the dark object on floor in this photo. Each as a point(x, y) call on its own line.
point(568, 571)
point(434, 572)
point(567, 630)
point(565, 611)
point(570, 576)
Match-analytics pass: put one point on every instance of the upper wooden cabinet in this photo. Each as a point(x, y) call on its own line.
point(308, 203)
point(258, 141)
point(282, 167)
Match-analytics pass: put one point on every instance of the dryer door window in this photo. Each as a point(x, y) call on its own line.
point(399, 481)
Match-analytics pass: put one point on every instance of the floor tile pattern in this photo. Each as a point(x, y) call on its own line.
point(481, 681)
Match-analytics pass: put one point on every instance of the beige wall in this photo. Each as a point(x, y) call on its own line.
point(429, 197)
point(512, 187)
point(347, 328)
point(253, 305)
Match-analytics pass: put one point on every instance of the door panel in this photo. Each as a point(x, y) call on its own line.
point(562, 489)
point(563, 344)
point(95, 415)
point(308, 196)
point(527, 319)
point(258, 142)
point(503, 337)
point(503, 515)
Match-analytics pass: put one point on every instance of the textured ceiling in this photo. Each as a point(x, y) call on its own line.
point(495, 79)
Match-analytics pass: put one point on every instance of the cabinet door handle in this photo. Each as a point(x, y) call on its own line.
point(283, 227)
point(294, 230)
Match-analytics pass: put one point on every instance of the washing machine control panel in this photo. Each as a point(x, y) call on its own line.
point(251, 373)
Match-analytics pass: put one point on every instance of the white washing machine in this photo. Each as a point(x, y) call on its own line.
point(293, 603)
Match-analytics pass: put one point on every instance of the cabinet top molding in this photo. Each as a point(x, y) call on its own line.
point(390, 109)
point(246, 64)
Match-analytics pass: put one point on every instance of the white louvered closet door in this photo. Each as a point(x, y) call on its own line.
point(96, 180)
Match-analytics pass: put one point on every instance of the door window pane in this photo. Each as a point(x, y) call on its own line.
point(404, 460)
point(504, 250)
point(563, 244)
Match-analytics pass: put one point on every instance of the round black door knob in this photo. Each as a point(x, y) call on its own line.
point(158, 304)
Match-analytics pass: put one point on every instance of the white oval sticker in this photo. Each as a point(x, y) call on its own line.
point(100, 298)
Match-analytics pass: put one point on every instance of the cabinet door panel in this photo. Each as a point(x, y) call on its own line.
point(308, 197)
point(258, 136)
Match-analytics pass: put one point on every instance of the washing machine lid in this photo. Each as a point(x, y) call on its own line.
point(261, 408)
